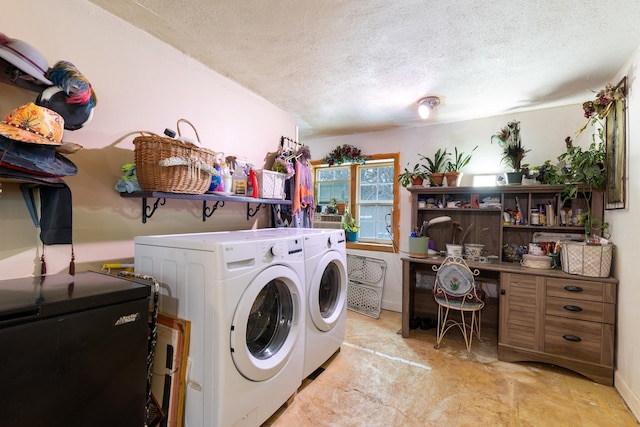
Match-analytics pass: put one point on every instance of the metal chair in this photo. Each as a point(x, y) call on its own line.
point(454, 289)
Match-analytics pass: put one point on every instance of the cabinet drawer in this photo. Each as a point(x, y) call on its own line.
point(579, 340)
point(581, 289)
point(581, 310)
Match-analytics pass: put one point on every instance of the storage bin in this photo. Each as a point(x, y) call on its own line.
point(586, 260)
point(270, 184)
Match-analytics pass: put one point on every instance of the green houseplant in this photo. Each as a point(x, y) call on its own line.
point(580, 171)
point(349, 225)
point(513, 152)
point(414, 176)
point(455, 165)
point(437, 165)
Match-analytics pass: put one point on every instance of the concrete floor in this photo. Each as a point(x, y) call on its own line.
point(381, 379)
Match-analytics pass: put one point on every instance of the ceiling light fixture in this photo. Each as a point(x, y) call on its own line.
point(425, 105)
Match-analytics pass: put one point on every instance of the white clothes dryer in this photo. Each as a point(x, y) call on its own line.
point(244, 295)
point(326, 292)
point(326, 287)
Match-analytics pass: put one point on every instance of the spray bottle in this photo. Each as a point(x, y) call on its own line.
point(253, 180)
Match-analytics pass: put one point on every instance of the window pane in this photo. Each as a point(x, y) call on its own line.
point(373, 221)
point(333, 183)
point(375, 200)
point(385, 192)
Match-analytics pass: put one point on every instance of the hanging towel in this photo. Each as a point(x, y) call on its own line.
point(55, 215)
point(303, 196)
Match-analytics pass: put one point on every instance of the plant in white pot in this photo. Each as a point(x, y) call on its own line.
point(513, 152)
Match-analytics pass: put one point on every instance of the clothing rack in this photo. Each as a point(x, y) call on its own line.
point(294, 145)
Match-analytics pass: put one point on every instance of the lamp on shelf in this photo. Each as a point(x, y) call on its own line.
point(425, 105)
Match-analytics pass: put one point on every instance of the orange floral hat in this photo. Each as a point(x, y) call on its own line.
point(33, 124)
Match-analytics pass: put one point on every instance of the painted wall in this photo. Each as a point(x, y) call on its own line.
point(141, 84)
point(626, 233)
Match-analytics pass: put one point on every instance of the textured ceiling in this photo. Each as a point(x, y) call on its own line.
point(352, 66)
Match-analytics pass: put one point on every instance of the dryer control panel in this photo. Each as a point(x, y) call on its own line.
point(282, 249)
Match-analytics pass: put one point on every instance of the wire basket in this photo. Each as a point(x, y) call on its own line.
point(586, 260)
point(172, 166)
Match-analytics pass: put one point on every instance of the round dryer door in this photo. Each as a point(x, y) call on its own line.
point(265, 326)
point(328, 291)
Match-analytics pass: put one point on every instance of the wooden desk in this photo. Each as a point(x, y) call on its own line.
point(544, 315)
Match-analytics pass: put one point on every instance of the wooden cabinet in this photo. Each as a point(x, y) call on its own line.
point(521, 321)
point(481, 209)
point(562, 321)
point(544, 315)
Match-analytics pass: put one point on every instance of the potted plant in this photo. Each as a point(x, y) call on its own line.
point(455, 165)
point(349, 226)
point(580, 171)
point(436, 166)
point(512, 150)
point(333, 206)
point(415, 176)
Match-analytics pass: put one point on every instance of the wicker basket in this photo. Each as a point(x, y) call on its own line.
point(172, 166)
point(542, 262)
point(586, 260)
point(271, 184)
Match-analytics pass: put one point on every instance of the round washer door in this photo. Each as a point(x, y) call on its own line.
point(328, 291)
point(266, 323)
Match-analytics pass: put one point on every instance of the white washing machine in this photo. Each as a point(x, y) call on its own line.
point(244, 295)
point(326, 291)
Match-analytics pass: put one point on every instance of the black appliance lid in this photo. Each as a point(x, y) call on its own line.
point(45, 296)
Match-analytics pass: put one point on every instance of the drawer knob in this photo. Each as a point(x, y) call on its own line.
point(572, 338)
point(571, 288)
point(572, 308)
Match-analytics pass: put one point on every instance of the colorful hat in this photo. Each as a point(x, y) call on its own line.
point(35, 159)
point(75, 115)
point(34, 124)
point(72, 96)
point(25, 57)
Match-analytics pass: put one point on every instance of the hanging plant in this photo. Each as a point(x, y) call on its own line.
point(344, 154)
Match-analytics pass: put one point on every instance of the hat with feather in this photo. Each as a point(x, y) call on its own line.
point(72, 96)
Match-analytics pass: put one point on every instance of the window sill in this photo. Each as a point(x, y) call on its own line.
point(374, 247)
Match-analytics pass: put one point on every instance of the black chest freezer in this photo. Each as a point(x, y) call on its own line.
point(73, 351)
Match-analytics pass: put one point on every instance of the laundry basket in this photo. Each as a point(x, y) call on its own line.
point(366, 282)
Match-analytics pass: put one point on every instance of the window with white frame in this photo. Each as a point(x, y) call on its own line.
point(370, 189)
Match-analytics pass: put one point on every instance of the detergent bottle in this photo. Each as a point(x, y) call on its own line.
point(226, 178)
point(239, 182)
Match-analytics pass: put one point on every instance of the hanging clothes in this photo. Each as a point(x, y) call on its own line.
point(303, 202)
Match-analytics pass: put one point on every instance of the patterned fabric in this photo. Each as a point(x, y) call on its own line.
point(455, 279)
point(303, 202)
point(455, 285)
point(33, 124)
